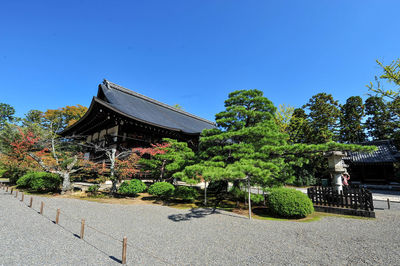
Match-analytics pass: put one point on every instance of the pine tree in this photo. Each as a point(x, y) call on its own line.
point(351, 128)
point(299, 128)
point(378, 123)
point(248, 146)
point(323, 114)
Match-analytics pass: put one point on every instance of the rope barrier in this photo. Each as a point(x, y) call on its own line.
point(58, 212)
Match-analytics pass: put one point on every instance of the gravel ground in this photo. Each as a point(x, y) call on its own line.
point(160, 235)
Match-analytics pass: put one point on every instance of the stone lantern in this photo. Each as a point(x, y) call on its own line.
point(336, 168)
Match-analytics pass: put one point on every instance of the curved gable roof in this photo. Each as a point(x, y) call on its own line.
point(142, 108)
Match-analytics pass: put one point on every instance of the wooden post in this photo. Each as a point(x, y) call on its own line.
point(388, 202)
point(57, 216)
point(7, 189)
point(124, 245)
point(16, 193)
point(41, 207)
point(30, 203)
point(82, 228)
point(11, 190)
point(22, 197)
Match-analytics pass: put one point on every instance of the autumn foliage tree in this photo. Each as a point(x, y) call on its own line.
point(166, 158)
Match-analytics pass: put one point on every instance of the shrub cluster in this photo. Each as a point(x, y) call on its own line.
point(162, 190)
point(290, 203)
point(132, 187)
point(40, 181)
point(186, 193)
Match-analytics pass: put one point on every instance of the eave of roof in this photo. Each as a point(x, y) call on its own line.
point(141, 96)
point(114, 108)
point(385, 154)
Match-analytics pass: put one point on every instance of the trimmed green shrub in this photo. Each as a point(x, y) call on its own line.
point(290, 203)
point(161, 189)
point(93, 189)
point(132, 187)
point(186, 193)
point(40, 181)
point(23, 181)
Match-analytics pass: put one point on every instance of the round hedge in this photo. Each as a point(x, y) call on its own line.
point(132, 187)
point(161, 189)
point(290, 203)
point(40, 181)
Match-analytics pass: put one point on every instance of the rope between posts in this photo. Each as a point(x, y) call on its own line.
point(48, 206)
point(97, 230)
point(149, 253)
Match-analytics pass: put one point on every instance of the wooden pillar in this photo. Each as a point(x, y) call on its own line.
point(41, 207)
point(82, 228)
point(124, 246)
point(57, 216)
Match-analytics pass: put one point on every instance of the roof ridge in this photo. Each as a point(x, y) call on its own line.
point(146, 98)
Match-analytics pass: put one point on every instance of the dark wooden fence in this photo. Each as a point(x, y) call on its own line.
point(352, 198)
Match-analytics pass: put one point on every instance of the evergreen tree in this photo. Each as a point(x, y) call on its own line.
point(323, 114)
point(248, 146)
point(351, 128)
point(299, 128)
point(6, 114)
point(378, 123)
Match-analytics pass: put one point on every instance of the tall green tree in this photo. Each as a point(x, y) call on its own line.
point(6, 114)
point(324, 116)
point(299, 128)
point(351, 128)
point(378, 123)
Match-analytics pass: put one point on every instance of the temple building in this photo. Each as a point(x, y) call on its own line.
point(126, 119)
point(378, 167)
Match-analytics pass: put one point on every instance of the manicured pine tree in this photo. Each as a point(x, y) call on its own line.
point(247, 145)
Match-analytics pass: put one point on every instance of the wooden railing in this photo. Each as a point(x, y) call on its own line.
point(353, 198)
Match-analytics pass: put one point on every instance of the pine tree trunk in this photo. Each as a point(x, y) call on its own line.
point(249, 188)
point(162, 170)
point(205, 192)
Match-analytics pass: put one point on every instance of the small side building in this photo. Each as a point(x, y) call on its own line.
point(121, 118)
point(374, 168)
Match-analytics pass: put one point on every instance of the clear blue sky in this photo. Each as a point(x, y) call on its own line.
point(192, 53)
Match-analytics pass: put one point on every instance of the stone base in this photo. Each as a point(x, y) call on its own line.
point(345, 211)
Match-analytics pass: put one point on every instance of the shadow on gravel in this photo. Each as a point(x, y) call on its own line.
point(200, 213)
point(115, 259)
point(194, 213)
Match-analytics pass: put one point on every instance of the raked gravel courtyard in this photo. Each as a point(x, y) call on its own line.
point(160, 235)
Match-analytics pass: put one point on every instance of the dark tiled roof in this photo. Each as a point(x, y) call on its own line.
point(386, 153)
point(149, 110)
